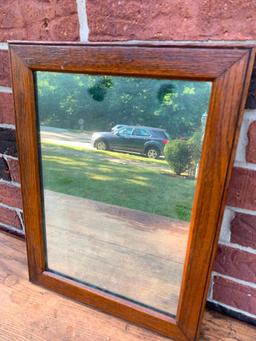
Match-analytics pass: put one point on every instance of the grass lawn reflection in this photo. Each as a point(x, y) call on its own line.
point(116, 178)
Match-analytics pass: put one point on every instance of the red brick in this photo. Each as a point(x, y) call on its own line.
point(229, 19)
point(235, 263)
point(171, 20)
point(6, 108)
point(251, 146)
point(10, 195)
point(234, 294)
point(14, 169)
point(39, 20)
point(242, 189)
point(243, 230)
point(9, 169)
point(251, 98)
point(9, 217)
point(4, 69)
point(64, 28)
point(8, 142)
point(4, 170)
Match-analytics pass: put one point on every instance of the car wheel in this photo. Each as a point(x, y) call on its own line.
point(152, 153)
point(101, 145)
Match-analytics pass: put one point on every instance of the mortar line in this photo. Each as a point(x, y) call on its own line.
point(5, 89)
point(83, 20)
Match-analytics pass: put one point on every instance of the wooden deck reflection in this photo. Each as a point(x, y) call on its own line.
point(131, 253)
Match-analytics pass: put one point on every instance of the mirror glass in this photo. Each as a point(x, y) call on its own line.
point(119, 162)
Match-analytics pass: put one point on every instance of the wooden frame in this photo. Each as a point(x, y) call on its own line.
point(229, 69)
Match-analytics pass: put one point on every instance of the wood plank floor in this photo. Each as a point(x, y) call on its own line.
point(28, 312)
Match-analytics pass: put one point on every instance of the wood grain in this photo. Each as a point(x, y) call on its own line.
point(130, 60)
point(24, 103)
point(224, 118)
point(29, 312)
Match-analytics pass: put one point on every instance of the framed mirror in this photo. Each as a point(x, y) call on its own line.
point(125, 155)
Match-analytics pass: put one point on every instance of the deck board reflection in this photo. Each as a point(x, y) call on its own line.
point(131, 253)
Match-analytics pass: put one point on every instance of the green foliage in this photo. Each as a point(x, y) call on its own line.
point(195, 144)
point(183, 212)
point(103, 101)
point(97, 93)
point(178, 154)
point(184, 155)
point(99, 90)
point(166, 93)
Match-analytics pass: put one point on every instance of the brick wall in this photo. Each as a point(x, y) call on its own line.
point(234, 276)
point(26, 20)
point(234, 273)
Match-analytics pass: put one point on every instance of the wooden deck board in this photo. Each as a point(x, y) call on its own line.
point(28, 312)
point(132, 253)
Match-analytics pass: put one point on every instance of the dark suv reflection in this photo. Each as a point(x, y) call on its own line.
point(138, 139)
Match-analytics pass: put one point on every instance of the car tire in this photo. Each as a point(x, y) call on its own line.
point(152, 153)
point(101, 145)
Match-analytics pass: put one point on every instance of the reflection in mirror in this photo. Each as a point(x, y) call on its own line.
point(120, 159)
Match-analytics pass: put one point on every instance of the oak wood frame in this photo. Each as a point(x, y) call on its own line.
point(229, 69)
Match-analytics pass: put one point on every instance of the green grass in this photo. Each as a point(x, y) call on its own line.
point(103, 176)
point(108, 153)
